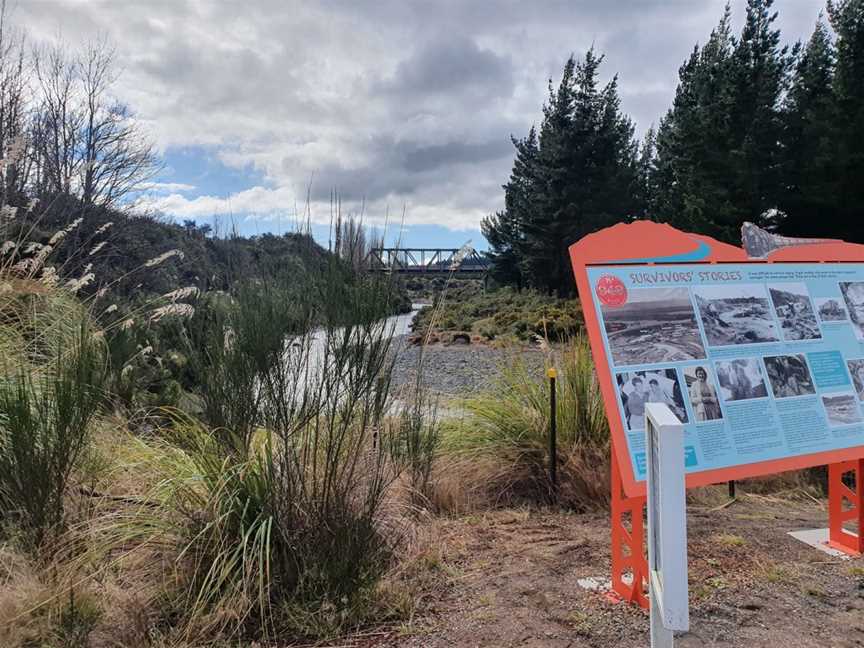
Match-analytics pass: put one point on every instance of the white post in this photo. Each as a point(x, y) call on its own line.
point(667, 525)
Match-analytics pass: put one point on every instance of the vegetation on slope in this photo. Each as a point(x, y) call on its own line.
point(502, 315)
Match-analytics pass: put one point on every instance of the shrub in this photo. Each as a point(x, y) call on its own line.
point(44, 422)
point(415, 437)
point(290, 536)
point(232, 342)
point(503, 313)
point(511, 423)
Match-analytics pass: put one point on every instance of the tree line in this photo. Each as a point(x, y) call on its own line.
point(62, 130)
point(758, 131)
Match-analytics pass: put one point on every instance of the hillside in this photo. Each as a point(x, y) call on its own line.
point(119, 244)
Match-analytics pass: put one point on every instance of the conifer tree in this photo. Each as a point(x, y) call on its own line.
point(690, 172)
point(505, 230)
point(847, 19)
point(718, 154)
point(809, 171)
point(579, 173)
point(759, 70)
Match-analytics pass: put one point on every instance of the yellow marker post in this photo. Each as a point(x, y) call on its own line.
point(553, 425)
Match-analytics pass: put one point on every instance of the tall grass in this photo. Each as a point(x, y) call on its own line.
point(510, 423)
point(289, 536)
point(44, 423)
point(234, 343)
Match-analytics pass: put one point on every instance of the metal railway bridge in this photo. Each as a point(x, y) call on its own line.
point(428, 261)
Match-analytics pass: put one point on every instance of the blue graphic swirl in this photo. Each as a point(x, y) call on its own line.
point(701, 252)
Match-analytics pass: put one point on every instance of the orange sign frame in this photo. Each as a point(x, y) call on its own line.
point(630, 244)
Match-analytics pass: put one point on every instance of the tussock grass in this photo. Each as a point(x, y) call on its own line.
point(507, 429)
point(271, 513)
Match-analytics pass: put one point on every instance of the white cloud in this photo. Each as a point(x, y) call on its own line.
point(167, 187)
point(392, 103)
point(270, 205)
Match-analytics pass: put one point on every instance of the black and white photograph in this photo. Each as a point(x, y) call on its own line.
point(789, 376)
point(853, 295)
point(637, 388)
point(740, 379)
point(702, 391)
point(842, 408)
point(735, 314)
point(655, 325)
point(831, 309)
point(794, 312)
point(856, 370)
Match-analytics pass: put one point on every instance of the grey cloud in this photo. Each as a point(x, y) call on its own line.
point(388, 101)
point(423, 158)
point(452, 64)
point(408, 168)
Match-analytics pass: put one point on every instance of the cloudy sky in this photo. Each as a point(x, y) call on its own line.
point(404, 108)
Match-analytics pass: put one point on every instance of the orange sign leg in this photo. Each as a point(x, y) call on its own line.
point(846, 506)
point(629, 564)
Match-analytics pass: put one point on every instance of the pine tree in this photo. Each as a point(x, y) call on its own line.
point(691, 169)
point(758, 74)
point(809, 171)
point(718, 154)
point(577, 175)
point(587, 170)
point(505, 230)
point(646, 173)
point(847, 19)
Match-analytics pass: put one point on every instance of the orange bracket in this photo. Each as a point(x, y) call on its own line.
point(845, 506)
point(629, 564)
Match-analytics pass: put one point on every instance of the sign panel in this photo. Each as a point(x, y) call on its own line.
point(759, 362)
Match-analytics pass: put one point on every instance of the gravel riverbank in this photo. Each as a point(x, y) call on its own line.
point(454, 369)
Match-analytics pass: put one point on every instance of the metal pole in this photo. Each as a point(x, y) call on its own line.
point(553, 431)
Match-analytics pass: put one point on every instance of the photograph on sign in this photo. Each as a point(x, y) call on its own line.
point(637, 388)
point(794, 311)
point(741, 379)
point(654, 325)
point(831, 309)
point(702, 391)
point(853, 295)
point(856, 369)
point(789, 376)
point(735, 314)
point(842, 409)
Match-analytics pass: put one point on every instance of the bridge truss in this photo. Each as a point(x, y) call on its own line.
point(460, 261)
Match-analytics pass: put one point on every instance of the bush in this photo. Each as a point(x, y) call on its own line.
point(502, 314)
point(288, 537)
point(233, 343)
point(511, 424)
point(44, 422)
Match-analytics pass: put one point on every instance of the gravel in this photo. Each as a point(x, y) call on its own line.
point(451, 369)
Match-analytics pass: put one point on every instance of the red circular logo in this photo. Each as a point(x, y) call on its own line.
point(611, 291)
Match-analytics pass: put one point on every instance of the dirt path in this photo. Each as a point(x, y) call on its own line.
point(511, 580)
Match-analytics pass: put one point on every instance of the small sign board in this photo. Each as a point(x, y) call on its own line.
point(667, 524)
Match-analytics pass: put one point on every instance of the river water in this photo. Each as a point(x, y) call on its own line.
point(402, 323)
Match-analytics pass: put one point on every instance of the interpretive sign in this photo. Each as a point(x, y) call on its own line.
point(759, 357)
point(759, 363)
point(763, 363)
